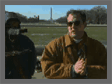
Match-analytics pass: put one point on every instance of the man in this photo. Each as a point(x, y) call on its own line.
point(20, 58)
point(75, 55)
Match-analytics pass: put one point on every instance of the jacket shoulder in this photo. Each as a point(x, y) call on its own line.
point(25, 39)
point(95, 43)
point(26, 42)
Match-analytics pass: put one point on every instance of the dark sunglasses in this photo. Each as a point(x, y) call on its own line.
point(76, 23)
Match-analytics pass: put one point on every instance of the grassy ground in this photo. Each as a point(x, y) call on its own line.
point(43, 35)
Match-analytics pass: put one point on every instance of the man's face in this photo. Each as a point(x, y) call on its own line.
point(75, 26)
point(15, 28)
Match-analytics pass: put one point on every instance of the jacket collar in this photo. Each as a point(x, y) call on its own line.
point(69, 41)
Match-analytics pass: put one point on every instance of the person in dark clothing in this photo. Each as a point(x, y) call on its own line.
point(20, 58)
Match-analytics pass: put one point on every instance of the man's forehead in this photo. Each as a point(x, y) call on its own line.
point(73, 17)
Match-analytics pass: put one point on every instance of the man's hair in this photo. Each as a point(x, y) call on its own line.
point(82, 14)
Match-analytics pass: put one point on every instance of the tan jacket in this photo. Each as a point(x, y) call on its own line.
point(60, 55)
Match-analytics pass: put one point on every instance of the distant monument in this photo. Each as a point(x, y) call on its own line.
point(51, 16)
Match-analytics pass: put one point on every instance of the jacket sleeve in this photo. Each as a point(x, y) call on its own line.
point(32, 59)
point(52, 63)
point(99, 70)
point(74, 74)
point(31, 55)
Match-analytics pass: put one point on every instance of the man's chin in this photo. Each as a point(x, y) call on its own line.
point(74, 35)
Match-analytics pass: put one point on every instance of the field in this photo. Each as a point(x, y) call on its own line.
point(43, 35)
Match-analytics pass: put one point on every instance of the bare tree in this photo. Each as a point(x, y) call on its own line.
point(100, 13)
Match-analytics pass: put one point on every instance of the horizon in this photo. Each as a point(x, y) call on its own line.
point(44, 10)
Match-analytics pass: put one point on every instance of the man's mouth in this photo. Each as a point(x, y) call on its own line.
point(73, 32)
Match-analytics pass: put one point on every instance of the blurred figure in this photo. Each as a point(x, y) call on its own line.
point(39, 50)
point(20, 58)
point(38, 67)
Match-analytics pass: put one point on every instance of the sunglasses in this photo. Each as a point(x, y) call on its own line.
point(76, 23)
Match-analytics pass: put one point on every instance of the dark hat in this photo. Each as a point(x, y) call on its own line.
point(12, 22)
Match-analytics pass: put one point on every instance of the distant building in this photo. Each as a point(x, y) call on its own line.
point(38, 18)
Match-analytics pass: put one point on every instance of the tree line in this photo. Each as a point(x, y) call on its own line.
point(97, 15)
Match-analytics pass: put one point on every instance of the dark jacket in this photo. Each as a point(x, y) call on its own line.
point(23, 65)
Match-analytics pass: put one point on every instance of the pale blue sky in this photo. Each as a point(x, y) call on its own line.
point(44, 10)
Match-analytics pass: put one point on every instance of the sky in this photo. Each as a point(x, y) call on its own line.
point(44, 10)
